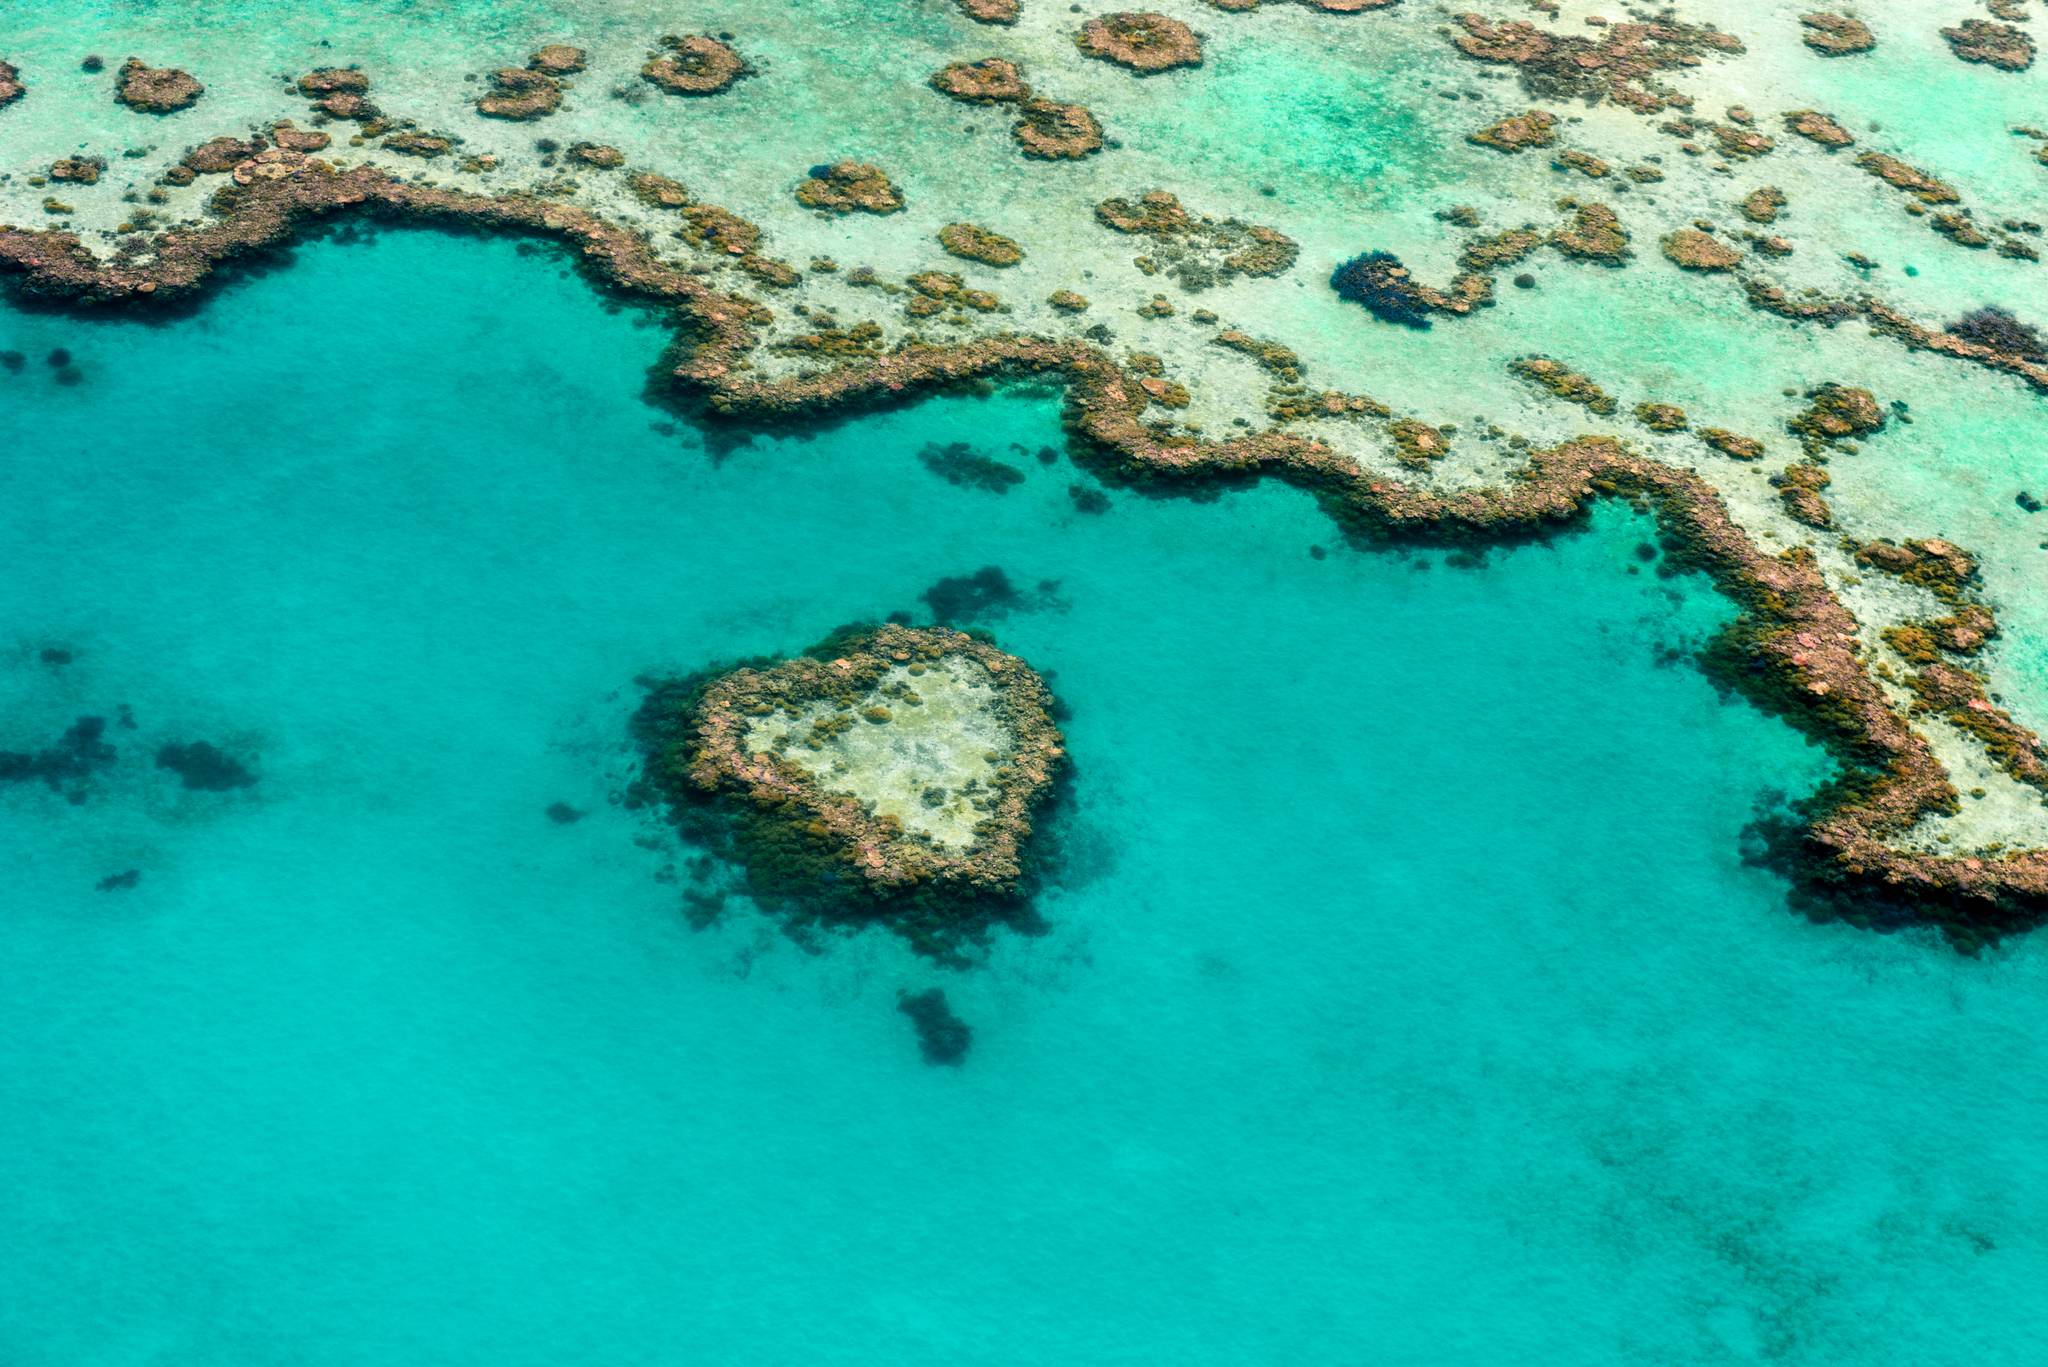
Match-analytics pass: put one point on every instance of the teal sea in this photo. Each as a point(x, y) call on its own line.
point(1405, 997)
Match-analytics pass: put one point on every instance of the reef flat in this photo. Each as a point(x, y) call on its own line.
point(873, 251)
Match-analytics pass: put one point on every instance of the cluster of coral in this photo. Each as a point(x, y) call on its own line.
point(1129, 411)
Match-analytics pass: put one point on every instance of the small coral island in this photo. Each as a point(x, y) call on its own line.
point(889, 774)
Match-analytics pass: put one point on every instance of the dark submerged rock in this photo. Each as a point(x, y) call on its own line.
point(959, 464)
point(942, 1036)
point(981, 596)
point(202, 765)
point(66, 766)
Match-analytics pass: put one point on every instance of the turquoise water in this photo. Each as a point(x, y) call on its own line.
point(1406, 998)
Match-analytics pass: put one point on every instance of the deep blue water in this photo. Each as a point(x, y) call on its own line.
point(1406, 999)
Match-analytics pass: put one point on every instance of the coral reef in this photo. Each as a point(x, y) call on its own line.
point(81, 170)
point(1052, 131)
point(1142, 42)
point(1915, 182)
point(1197, 250)
point(558, 59)
point(1698, 251)
point(1515, 132)
point(156, 89)
point(990, 11)
point(991, 80)
point(695, 65)
point(1794, 648)
point(1621, 66)
point(1836, 35)
point(11, 88)
point(1818, 127)
point(973, 243)
point(889, 775)
point(1998, 45)
point(519, 93)
point(1762, 205)
point(1838, 412)
point(1661, 417)
point(1561, 381)
point(846, 186)
point(338, 92)
point(1594, 234)
point(1799, 490)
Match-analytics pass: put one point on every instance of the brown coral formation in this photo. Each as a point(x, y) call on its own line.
point(1594, 234)
point(1142, 42)
point(1698, 251)
point(1045, 129)
point(1762, 204)
point(1799, 490)
point(11, 88)
point(1838, 412)
point(1836, 35)
point(1537, 128)
point(293, 138)
point(79, 170)
point(558, 59)
point(1732, 443)
point(1661, 417)
point(339, 92)
point(923, 827)
point(1900, 176)
point(1941, 567)
point(990, 11)
point(845, 187)
point(218, 156)
point(1052, 131)
point(1623, 65)
point(1195, 249)
point(156, 89)
point(972, 243)
point(1818, 127)
point(992, 80)
point(695, 65)
point(1561, 381)
point(1997, 45)
point(1795, 648)
point(412, 143)
point(519, 94)
point(601, 155)
point(1325, 6)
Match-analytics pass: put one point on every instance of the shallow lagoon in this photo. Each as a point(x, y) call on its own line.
point(1406, 998)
